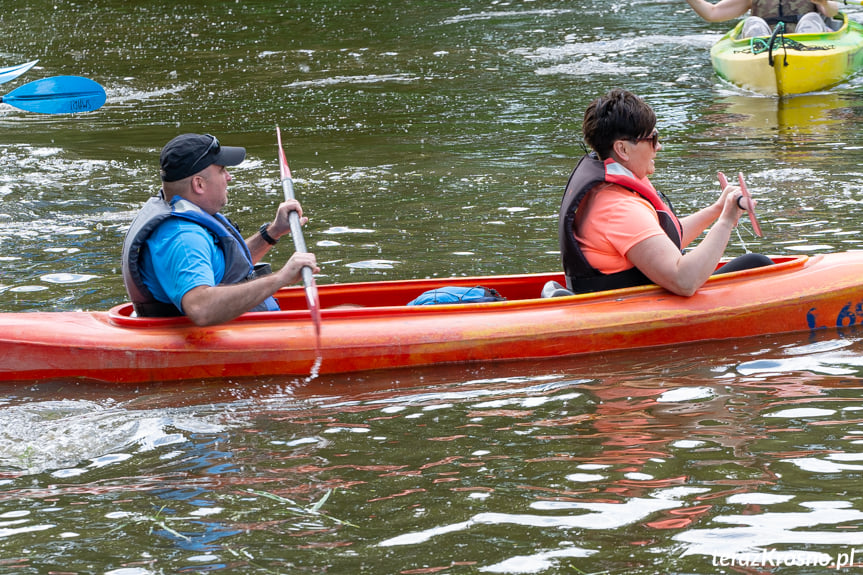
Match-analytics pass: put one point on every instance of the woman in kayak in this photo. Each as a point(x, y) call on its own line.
point(800, 16)
point(617, 231)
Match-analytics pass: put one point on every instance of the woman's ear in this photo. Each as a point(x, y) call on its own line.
point(620, 149)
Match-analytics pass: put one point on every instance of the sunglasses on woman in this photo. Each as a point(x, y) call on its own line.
point(653, 138)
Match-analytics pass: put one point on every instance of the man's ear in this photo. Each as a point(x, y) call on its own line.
point(197, 184)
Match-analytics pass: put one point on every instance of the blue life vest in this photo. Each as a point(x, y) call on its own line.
point(238, 259)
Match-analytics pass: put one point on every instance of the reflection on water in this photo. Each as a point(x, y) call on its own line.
point(812, 116)
point(620, 464)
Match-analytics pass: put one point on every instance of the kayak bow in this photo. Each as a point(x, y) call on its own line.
point(789, 64)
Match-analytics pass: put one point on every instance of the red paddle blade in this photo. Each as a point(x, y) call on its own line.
point(284, 169)
point(755, 226)
point(723, 182)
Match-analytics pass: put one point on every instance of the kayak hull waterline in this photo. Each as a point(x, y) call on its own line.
point(367, 326)
point(789, 64)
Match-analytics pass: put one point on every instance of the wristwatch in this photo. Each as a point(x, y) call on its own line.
point(267, 237)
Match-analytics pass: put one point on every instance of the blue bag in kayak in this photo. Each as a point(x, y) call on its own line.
point(457, 294)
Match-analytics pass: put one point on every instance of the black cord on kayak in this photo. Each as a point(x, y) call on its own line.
point(780, 29)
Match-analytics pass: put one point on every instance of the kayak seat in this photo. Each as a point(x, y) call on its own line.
point(554, 289)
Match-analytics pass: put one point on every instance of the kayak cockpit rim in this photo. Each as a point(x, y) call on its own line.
point(340, 300)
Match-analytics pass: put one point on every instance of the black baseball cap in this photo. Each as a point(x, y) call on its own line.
point(188, 154)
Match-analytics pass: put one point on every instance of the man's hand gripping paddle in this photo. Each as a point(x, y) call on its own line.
point(751, 209)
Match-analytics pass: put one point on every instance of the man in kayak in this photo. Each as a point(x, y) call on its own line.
point(182, 257)
point(617, 231)
point(800, 16)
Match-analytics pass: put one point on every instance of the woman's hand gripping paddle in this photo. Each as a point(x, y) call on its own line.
point(299, 243)
point(751, 210)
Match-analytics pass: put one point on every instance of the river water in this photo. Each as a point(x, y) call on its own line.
point(427, 138)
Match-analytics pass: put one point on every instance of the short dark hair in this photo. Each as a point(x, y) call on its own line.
point(617, 115)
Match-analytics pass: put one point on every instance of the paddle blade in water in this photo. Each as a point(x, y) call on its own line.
point(57, 95)
point(12, 72)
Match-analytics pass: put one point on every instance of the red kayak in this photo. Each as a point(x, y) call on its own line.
point(368, 326)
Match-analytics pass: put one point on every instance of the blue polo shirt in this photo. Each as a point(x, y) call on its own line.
point(178, 256)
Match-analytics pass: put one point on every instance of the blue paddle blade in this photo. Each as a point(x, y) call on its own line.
point(12, 72)
point(57, 95)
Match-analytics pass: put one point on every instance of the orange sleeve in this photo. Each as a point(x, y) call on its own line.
point(613, 220)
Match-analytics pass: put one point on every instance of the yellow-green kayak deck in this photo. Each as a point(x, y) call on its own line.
point(788, 64)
